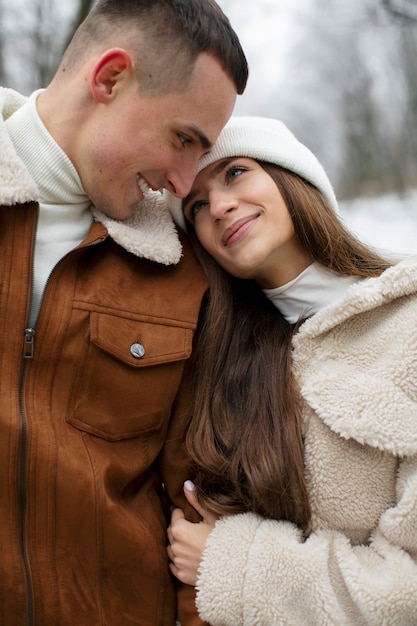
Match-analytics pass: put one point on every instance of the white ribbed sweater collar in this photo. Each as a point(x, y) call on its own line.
point(312, 290)
point(56, 177)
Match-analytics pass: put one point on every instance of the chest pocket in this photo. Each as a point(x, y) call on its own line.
point(127, 377)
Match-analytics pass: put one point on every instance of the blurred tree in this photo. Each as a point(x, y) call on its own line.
point(83, 9)
point(33, 35)
point(373, 107)
point(351, 92)
point(406, 148)
point(2, 68)
point(43, 39)
point(346, 84)
point(401, 9)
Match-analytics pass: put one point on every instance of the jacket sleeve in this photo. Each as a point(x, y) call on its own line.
point(175, 468)
point(261, 572)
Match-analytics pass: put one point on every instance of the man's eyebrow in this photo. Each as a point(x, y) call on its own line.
point(203, 140)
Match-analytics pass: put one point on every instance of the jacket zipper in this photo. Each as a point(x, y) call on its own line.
point(29, 343)
point(28, 353)
point(22, 501)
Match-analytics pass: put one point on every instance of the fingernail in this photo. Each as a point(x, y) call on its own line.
point(189, 485)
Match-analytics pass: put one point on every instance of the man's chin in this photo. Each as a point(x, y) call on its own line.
point(119, 214)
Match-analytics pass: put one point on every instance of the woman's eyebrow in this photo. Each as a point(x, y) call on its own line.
point(214, 172)
point(220, 166)
point(190, 197)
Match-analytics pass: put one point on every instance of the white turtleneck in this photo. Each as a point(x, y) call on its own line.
point(312, 290)
point(64, 215)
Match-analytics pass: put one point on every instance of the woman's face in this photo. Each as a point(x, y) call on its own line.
point(242, 220)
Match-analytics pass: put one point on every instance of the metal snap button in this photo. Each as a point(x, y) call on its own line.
point(137, 350)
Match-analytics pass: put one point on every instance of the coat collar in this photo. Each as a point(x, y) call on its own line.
point(356, 361)
point(16, 184)
point(149, 233)
point(397, 281)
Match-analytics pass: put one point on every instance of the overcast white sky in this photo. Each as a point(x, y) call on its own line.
point(387, 222)
point(266, 30)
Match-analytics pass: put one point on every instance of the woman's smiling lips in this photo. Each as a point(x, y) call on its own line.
point(238, 230)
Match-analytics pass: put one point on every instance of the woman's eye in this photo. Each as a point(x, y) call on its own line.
point(192, 211)
point(197, 206)
point(234, 172)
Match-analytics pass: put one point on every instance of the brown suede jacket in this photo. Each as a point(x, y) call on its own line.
point(93, 406)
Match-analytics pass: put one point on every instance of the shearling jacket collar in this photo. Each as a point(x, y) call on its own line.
point(397, 281)
point(357, 359)
point(149, 233)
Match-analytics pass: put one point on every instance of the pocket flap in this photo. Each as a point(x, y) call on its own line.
point(138, 343)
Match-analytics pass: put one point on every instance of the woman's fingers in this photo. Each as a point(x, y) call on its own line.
point(189, 491)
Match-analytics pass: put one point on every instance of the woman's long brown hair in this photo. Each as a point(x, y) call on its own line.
point(245, 436)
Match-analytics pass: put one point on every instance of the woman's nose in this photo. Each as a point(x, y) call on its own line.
point(221, 205)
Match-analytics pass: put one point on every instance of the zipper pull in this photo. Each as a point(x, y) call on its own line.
point(29, 343)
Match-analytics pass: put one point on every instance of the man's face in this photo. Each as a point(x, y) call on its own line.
point(136, 141)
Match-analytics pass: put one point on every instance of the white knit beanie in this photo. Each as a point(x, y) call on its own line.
point(263, 139)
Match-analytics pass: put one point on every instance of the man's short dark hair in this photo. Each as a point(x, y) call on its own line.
point(169, 35)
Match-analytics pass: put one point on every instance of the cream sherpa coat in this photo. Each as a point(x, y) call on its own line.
point(357, 365)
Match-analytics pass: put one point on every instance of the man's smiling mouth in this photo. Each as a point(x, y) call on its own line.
point(142, 184)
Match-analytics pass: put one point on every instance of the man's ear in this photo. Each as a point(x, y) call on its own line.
point(112, 66)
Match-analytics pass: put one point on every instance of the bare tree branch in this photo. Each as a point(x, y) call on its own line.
point(405, 10)
point(84, 8)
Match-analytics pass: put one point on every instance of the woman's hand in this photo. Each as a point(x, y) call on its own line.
point(187, 541)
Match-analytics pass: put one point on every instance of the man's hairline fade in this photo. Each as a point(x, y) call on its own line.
point(164, 44)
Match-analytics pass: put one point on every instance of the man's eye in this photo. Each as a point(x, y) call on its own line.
point(183, 139)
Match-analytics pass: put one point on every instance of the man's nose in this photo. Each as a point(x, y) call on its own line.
point(179, 182)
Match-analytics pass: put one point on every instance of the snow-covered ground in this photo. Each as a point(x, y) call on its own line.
point(387, 222)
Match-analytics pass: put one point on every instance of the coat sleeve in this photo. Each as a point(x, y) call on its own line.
point(175, 469)
point(259, 572)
